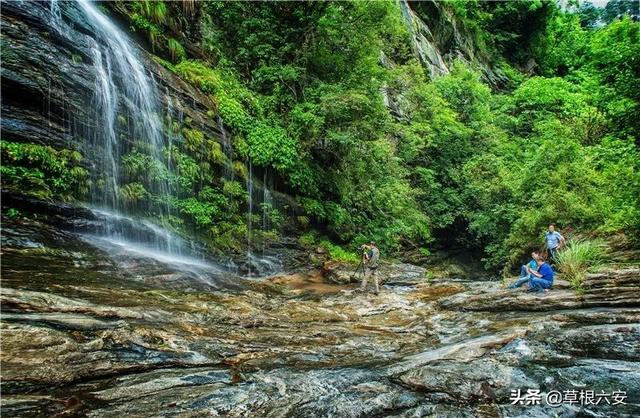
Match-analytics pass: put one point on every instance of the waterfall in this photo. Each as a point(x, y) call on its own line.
point(119, 73)
point(227, 148)
point(263, 264)
point(175, 119)
point(249, 214)
point(125, 94)
point(125, 126)
point(267, 203)
point(105, 133)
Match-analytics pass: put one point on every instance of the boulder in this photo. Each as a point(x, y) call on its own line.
point(339, 273)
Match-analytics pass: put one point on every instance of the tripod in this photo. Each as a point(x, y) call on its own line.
point(360, 267)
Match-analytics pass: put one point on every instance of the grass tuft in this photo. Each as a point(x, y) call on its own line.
point(579, 257)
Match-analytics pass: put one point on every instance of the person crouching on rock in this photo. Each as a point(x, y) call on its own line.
point(543, 279)
point(526, 271)
point(371, 258)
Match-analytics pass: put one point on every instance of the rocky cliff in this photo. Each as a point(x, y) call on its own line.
point(439, 38)
point(48, 80)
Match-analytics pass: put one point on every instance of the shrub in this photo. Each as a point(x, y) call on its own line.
point(153, 9)
point(268, 145)
point(338, 253)
point(579, 256)
point(307, 239)
point(235, 102)
point(193, 139)
point(202, 214)
point(153, 31)
point(195, 72)
point(42, 171)
point(132, 193)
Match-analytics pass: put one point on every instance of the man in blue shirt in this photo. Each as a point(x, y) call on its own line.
point(554, 241)
point(526, 272)
point(543, 279)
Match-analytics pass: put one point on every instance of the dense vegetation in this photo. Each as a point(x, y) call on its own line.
point(43, 171)
point(300, 86)
point(459, 162)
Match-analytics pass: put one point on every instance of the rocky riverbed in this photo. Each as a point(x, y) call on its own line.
point(84, 333)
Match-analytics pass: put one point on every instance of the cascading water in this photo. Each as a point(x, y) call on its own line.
point(227, 148)
point(255, 265)
point(120, 74)
point(126, 114)
point(249, 213)
point(126, 121)
point(263, 264)
point(105, 134)
point(267, 205)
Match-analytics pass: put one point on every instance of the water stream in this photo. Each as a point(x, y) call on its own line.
point(267, 202)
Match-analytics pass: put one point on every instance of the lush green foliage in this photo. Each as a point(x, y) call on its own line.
point(329, 99)
point(163, 23)
point(299, 86)
point(176, 50)
point(201, 198)
point(321, 121)
point(145, 16)
point(269, 145)
point(42, 171)
point(236, 104)
point(605, 61)
point(336, 252)
point(505, 30)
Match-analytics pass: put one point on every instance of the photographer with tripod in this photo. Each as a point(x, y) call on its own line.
point(370, 259)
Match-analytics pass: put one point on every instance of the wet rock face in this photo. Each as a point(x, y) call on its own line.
point(48, 79)
point(60, 89)
point(82, 336)
point(45, 78)
point(439, 39)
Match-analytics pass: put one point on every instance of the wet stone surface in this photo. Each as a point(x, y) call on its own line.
point(81, 335)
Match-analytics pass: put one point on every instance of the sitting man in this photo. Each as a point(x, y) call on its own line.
point(526, 272)
point(543, 279)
